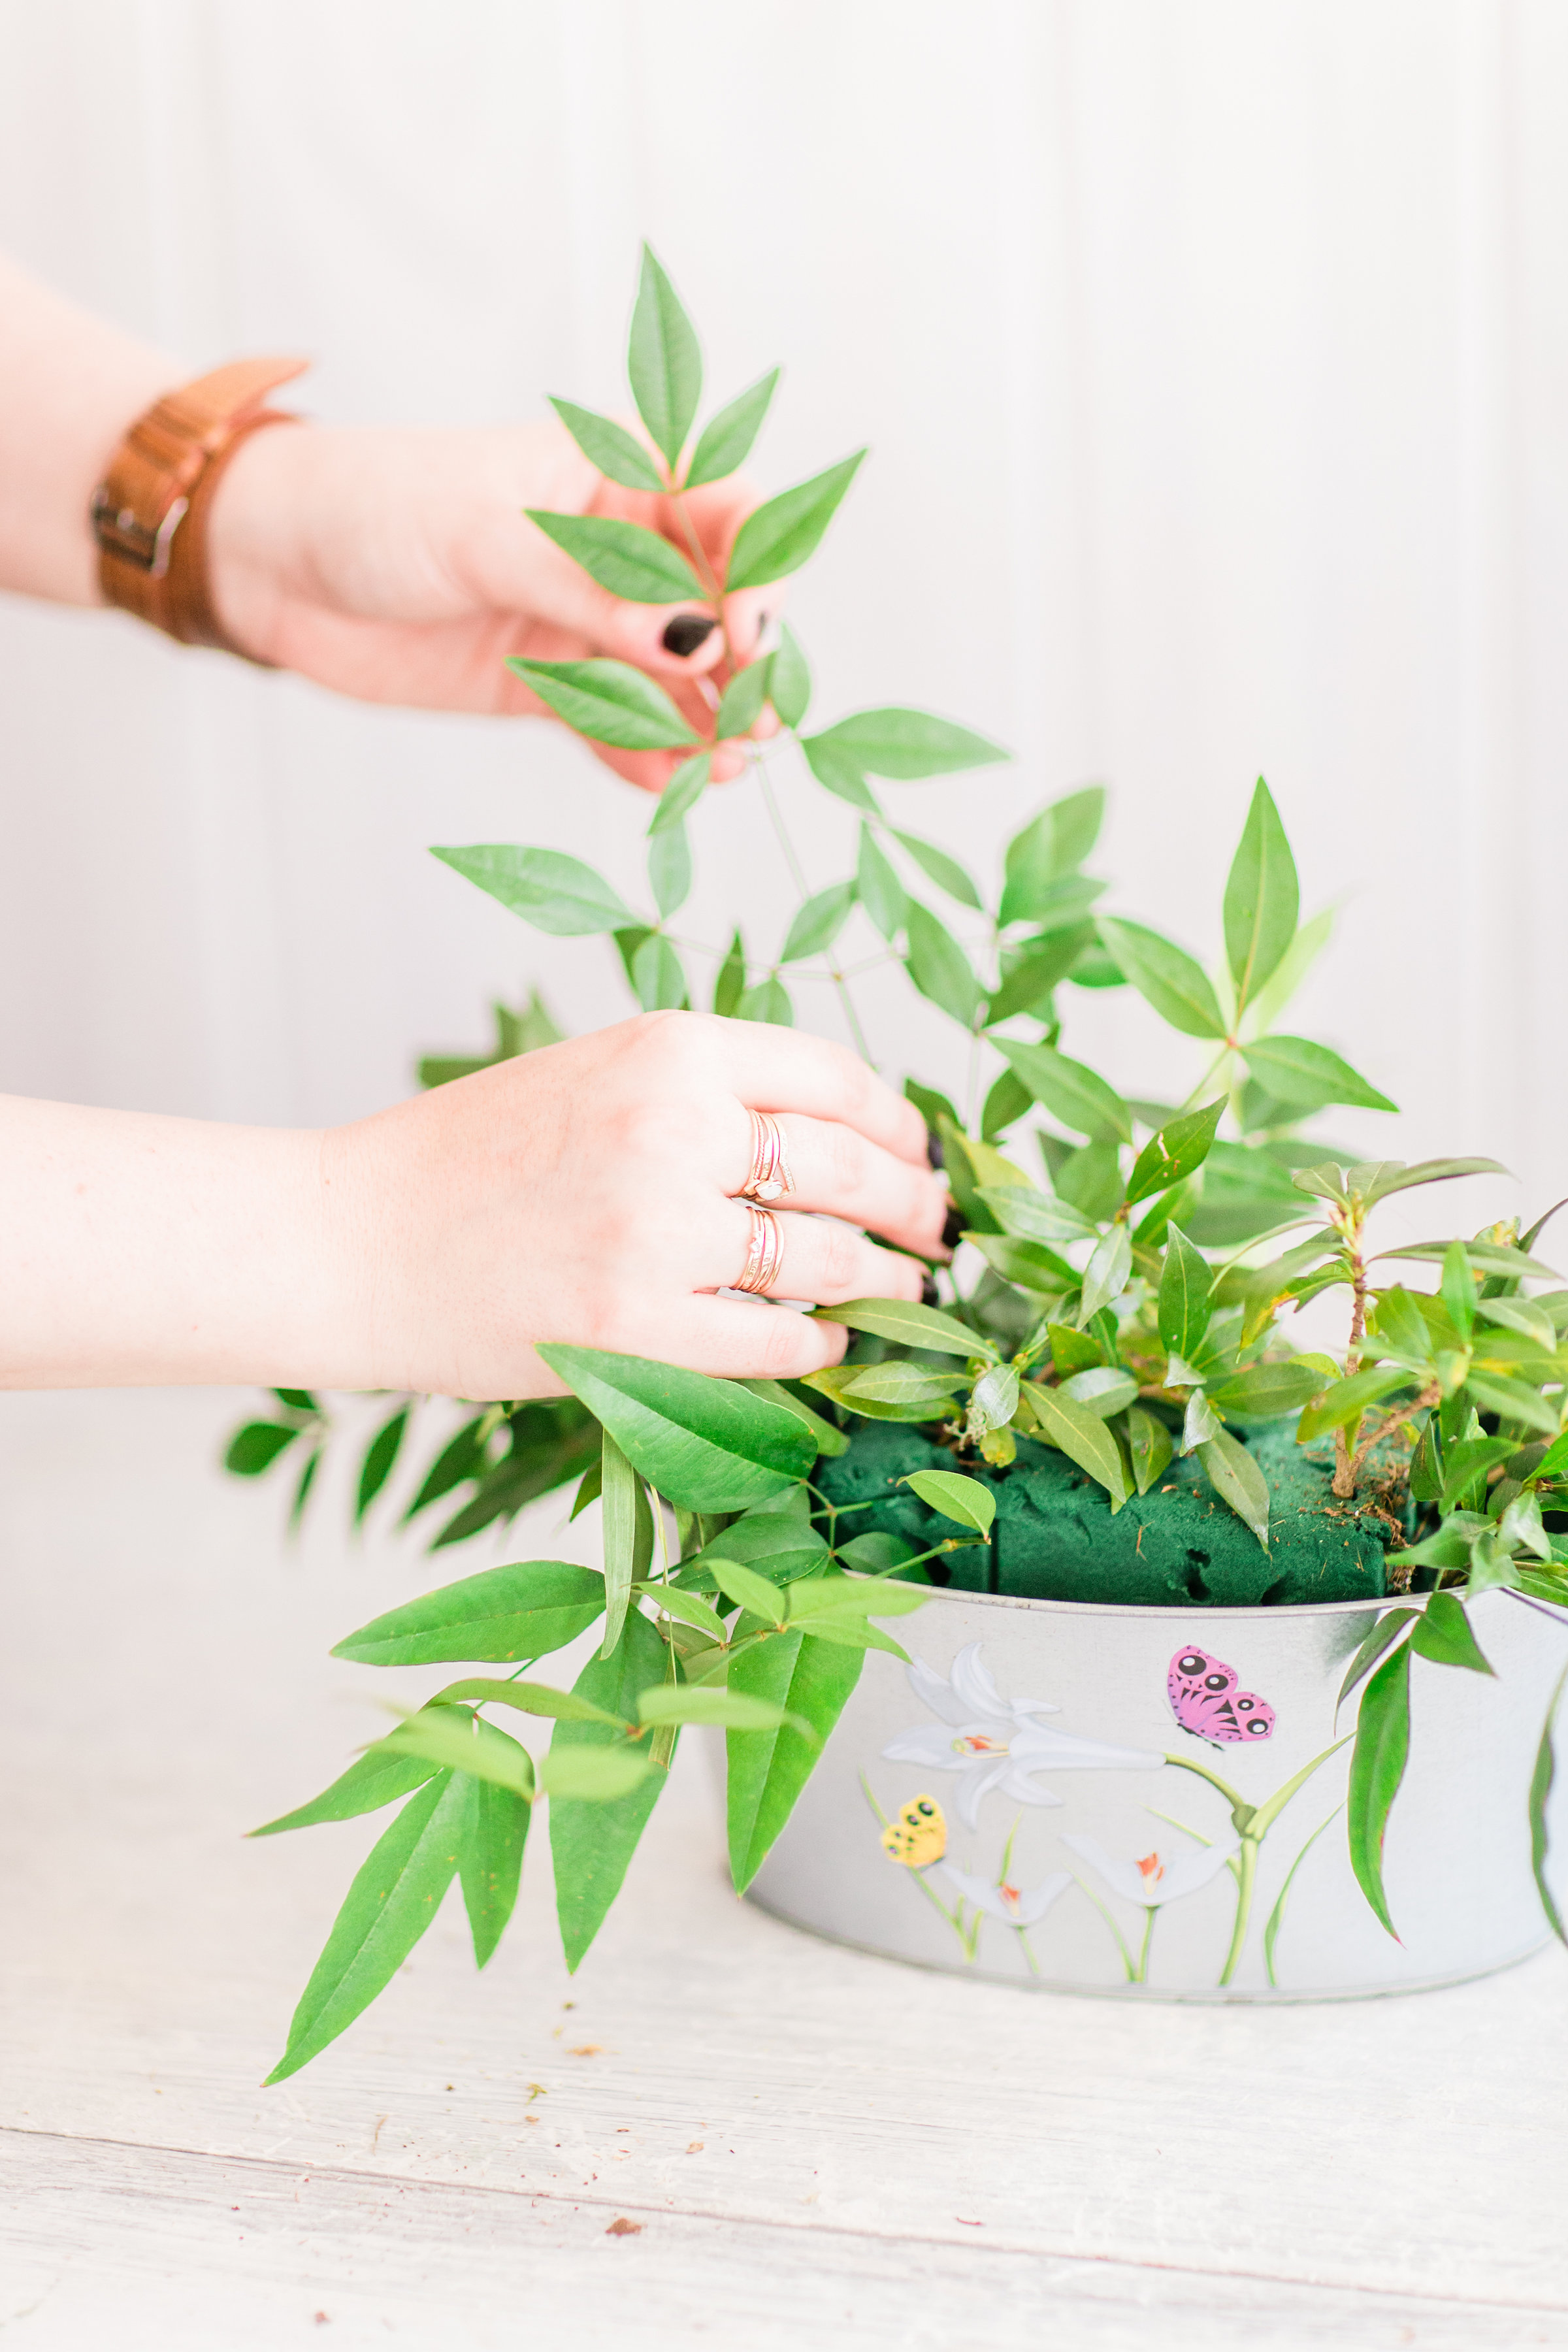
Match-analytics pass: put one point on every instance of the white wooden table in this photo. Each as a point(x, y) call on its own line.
point(819, 2149)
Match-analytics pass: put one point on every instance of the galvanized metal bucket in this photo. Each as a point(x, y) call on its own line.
point(1046, 1797)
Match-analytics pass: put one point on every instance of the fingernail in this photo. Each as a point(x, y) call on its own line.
point(952, 1230)
point(687, 632)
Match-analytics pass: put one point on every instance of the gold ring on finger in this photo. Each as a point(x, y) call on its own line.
point(769, 1177)
point(765, 1252)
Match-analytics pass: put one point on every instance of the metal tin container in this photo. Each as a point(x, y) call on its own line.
point(1045, 1797)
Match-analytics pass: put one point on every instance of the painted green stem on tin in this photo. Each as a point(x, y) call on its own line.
point(1253, 1823)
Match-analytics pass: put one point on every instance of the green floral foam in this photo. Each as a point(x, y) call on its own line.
point(1055, 1539)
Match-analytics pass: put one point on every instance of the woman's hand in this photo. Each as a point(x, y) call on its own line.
point(586, 1194)
point(400, 567)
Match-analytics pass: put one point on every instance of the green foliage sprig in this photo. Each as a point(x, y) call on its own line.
point(1121, 1309)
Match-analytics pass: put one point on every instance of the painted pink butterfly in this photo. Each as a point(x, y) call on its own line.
point(1207, 1703)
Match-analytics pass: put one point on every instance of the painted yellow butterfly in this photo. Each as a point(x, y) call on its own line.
point(919, 1835)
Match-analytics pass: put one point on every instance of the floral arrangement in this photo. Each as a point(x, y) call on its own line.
point(1125, 1309)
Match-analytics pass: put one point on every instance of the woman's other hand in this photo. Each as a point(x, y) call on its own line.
point(399, 566)
point(586, 1192)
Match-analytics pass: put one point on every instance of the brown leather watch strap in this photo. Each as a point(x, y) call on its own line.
point(148, 513)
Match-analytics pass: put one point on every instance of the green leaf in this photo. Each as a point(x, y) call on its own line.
point(1185, 1300)
point(1263, 1392)
point(1035, 1216)
point(615, 452)
point(657, 974)
point(1276, 1919)
point(1540, 1792)
point(745, 1588)
point(1345, 1401)
point(460, 1741)
point(768, 1001)
point(877, 1554)
point(1179, 990)
point(1513, 1399)
point(730, 984)
point(909, 1326)
point(1081, 1436)
point(256, 1447)
point(814, 1598)
point(778, 537)
point(527, 1698)
point(1148, 1444)
point(905, 745)
point(392, 1901)
point(1070, 1091)
point(591, 1842)
point(301, 1400)
point(489, 1862)
point(1105, 1388)
point(827, 1439)
point(596, 1775)
point(1051, 849)
point(708, 1444)
point(1443, 1635)
point(778, 1543)
point(626, 561)
point(551, 891)
point(808, 1682)
point(1107, 1273)
point(818, 923)
point(500, 1615)
point(939, 967)
point(1073, 1352)
point(712, 1704)
point(962, 1499)
point(1308, 1076)
point(370, 1782)
point(740, 704)
point(1170, 1157)
point(791, 689)
point(1464, 1465)
point(1400, 1178)
point(1031, 1265)
point(1028, 984)
point(663, 360)
point(1006, 1100)
point(878, 889)
point(682, 793)
point(837, 772)
point(1262, 899)
point(380, 1455)
point(608, 701)
point(461, 1458)
point(1371, 1648)
point(726, 439)
point(623, 1505)
point(944, 871)
point(1236, 1480)
point(689, 1607)
point(895, 1382)
point(1377, 1767)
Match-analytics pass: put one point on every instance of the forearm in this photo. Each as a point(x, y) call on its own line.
point(136, 1250)
point(69, 388)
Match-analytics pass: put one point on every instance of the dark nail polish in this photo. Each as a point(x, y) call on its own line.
point(927, 1292)
point(952, 1230)
point(687, 632)
point(933, 1148)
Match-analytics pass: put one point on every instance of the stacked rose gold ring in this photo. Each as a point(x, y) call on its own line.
point(770, 1176)
point(764, 1252)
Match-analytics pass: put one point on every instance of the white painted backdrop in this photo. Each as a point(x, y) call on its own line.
point(1215, 365)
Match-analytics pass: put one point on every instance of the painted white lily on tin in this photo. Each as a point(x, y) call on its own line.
point(993, 1743)
point(1152, 1880)
point(1020, 1907)
point(1156, 1878)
